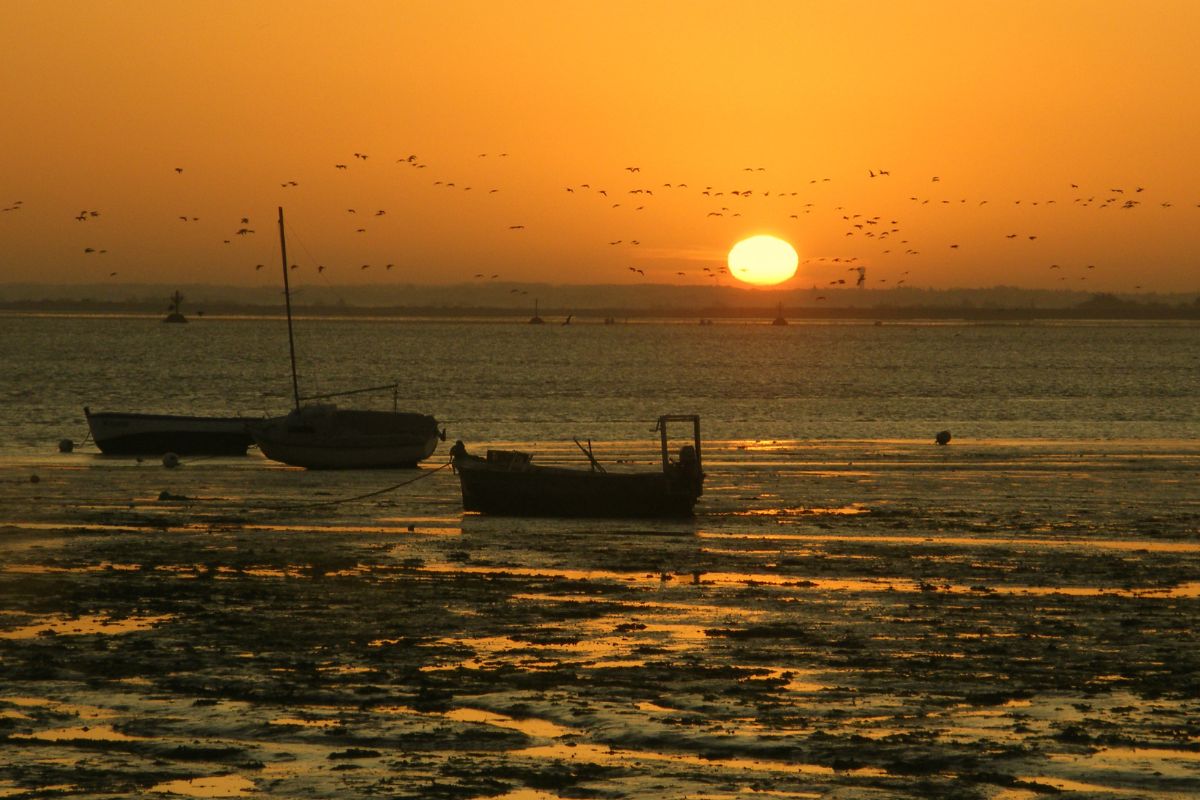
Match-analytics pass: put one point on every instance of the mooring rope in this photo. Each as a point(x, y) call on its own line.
point(338, 501)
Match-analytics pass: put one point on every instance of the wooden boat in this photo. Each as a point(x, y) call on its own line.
point(507, 482)
point(128, 434)
point(323, 436)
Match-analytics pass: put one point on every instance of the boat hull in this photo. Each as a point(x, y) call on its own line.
point(558, 492)
point(338, 439)
point(131, 434)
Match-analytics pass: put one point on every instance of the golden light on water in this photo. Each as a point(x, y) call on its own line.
point(763, 260)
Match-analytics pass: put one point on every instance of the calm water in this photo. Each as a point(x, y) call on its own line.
point(496, 381)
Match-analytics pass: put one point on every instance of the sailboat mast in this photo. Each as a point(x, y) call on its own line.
point(287, 299)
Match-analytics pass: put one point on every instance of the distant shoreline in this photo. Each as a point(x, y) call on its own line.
point(555, 302)
point(1087, 311)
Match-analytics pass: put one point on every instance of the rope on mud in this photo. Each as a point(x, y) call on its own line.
point(385, 490)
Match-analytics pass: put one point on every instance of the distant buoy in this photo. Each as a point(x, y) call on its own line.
point(943, 437)
point(65, 446)
point(34, 479)
point(170, 460)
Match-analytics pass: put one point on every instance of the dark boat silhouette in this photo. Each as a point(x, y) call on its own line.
point(507, 482)
point(323, 436)
point(535, 319)
point(135, 434)
point(173, 312)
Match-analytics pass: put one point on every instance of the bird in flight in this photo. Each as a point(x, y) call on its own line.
point(515, 227)
point(634, 169)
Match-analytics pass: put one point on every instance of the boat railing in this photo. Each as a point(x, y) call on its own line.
point(395, 387)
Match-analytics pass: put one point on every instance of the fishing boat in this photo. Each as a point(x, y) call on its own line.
point(324, 436)
point(132, 434)
point(507, 482)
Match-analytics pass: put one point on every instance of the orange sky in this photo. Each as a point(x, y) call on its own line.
point(1000, 101)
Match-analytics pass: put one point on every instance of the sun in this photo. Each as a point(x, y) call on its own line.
point(763, 260)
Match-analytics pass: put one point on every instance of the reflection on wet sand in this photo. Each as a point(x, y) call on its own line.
point(218, 786)
point(83, 626)
point(99, 733)
point(610, 756)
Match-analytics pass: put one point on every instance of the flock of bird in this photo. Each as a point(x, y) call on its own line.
point(880, 242)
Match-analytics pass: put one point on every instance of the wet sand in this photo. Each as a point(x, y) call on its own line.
point(852, 619)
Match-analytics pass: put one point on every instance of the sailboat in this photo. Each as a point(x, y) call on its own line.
point(780, 319)
point(323, 436)
point(174, 314)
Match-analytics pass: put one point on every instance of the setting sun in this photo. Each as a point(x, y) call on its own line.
point(763, 260)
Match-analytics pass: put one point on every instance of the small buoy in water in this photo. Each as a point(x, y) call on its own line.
point(34, 479)
point(943, 437)
point(170, 460)
point(65, 446)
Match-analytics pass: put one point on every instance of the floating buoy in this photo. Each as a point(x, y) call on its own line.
point(34, 479)
point(170, 460)
point(65, 446)
point(943, 437)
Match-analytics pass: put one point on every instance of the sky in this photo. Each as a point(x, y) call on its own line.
point(935, 144)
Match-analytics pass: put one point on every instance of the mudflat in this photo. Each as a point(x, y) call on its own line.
point(992, 620)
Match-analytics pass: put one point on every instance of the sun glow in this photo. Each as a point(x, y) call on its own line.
point(763, 260)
